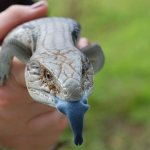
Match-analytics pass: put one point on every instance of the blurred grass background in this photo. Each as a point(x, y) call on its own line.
point(119, 117)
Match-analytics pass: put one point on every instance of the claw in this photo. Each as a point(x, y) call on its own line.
point(2, 80)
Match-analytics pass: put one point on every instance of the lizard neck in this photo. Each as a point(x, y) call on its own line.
point(58, 39)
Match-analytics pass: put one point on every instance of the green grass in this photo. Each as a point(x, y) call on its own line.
point(119, 117)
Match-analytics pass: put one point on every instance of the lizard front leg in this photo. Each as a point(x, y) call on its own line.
point(5, 62)
point(7, 52)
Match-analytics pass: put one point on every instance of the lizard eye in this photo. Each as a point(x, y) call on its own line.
point(83, 70)
point(47, 75)
point(75, 35)
point(48, 80)
point(85, 66)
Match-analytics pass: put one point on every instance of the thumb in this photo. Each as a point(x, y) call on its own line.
point(17, 14)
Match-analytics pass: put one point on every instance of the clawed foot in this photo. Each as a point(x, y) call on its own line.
point(2, 80)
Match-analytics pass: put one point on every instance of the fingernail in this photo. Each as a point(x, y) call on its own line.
point(39, 4)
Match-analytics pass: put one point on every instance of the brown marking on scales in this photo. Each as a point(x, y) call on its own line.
point(70, 65)
point(48, 80)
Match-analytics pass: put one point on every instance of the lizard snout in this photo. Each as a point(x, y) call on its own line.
point(72, 90)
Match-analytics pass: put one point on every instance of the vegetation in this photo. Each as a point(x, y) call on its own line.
point(119, 117)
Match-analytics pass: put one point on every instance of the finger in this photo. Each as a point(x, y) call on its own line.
point(17, 72)
point(83, 42)
point(17, 14)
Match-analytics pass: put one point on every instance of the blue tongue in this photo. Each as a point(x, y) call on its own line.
point(75, 113)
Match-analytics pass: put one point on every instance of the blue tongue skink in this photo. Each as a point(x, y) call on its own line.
point(57, 72)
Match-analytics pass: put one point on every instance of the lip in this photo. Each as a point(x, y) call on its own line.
point(43, 97)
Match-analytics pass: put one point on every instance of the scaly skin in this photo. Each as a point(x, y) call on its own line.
point(57, 73)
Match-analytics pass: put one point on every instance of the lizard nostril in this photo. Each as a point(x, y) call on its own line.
point(65, 92)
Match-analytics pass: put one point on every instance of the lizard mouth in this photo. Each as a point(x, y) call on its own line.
point(73, 110)
point(42, 96)
point(40, 86)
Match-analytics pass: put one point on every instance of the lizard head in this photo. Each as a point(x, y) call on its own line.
point(65, 75)
point(62, 79)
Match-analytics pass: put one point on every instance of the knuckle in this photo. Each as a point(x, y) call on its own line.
point(17, 10)
point(13, 8)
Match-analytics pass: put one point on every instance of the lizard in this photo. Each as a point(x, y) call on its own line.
point(57, 72)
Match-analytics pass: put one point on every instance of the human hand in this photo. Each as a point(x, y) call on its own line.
point(24, 123)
